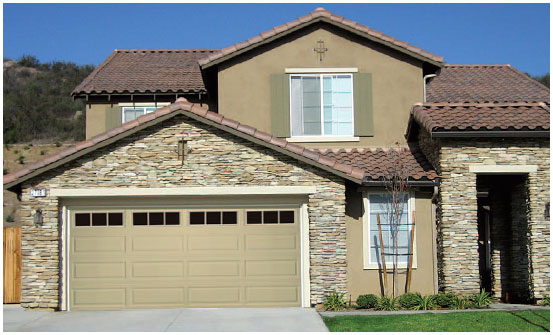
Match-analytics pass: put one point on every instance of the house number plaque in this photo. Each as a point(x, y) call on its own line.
point(38, 192)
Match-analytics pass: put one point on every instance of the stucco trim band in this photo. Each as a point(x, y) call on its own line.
point(180, 191)
point(320, 70)
point(492, 169)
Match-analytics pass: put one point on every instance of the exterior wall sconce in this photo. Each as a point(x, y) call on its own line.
point(37, 218)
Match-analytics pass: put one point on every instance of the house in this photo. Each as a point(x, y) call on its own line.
point(256, 176)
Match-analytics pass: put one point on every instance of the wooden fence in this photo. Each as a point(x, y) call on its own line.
point(12, 265)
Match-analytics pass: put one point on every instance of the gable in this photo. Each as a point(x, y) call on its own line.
point(193, 112)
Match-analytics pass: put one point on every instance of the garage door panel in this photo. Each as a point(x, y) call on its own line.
point(270, 242)
point(213, 268)
point(271, 294)
point(213, 243)
point(157, 296)
point(157, 243)
point(214, 295)
point(107, 297)
point(99, 270)
point(100, 243)
point(272, 268)
point(162, 269)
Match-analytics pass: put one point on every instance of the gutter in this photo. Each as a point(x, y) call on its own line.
point(496, 133)
point(424, 79)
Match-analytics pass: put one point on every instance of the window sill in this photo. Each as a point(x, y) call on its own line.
point(323, 139)
point(388, 267)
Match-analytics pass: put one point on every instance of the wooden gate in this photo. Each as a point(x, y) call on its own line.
point(12, 265)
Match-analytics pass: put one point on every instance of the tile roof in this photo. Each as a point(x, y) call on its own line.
point(484, 83)
point(320, 14)
point(147, 71)
point(482, 116)
point(377, 162)
point(182, 106)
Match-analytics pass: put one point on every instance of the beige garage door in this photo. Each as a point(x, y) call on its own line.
point(140, 258)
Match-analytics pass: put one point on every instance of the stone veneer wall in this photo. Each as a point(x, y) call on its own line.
point(458, 227)
point(148, 159)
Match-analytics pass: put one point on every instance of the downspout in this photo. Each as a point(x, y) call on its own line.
point(424, 79)
point(434, 238)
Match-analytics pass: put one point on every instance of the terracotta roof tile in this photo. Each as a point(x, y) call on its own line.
point(329, 17)
point(484, 83)
point(481, 116)
point(147, 71)
point(377, 162)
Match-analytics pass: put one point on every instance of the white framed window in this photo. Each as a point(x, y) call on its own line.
point(379, 203)
point(131, 113)
point(321, 105)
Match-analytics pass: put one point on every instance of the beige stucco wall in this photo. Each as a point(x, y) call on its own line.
point(95, 119)
point(396, 79)
point(361, 281)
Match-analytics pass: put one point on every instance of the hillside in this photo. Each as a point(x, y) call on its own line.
point(37, 102)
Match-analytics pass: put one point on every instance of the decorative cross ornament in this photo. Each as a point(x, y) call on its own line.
point(320, 49)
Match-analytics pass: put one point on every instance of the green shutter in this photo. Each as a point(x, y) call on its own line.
point(363, 104)
point(280, 105)
point(113, 117)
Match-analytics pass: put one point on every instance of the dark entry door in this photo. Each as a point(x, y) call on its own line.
point(484, 244)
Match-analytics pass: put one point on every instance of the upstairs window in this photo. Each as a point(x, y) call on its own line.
point(131, 113)
point(321, 105)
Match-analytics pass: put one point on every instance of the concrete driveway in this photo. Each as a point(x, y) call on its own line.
point(166, 320)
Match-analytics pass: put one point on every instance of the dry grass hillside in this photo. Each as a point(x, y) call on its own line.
point(15, 157)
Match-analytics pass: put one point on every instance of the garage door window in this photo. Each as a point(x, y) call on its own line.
point(98, 219)
point(156, 218)
point(213, 218)
point(270, 217)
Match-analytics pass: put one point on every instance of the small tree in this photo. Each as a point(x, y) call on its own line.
point(396, 186)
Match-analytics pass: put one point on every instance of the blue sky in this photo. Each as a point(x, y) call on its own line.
point(516, 34)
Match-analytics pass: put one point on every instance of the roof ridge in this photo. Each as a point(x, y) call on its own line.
point(480, 104)
point(200, 50)
point(204, 115)
point(93, 74)
point(318, 14)
point(528, 77)
point(477, 65)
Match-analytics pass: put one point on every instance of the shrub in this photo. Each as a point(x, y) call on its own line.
point(461, 303)
point(42, 152)
point(58, 144)
point(26, 147)
point(7, 146)
point(335, 301)
point(5, 171)
point(387, 304)
point(425, 303)
point(367, 301)
point(16, 151)
point(481, 300)
point(545, 301)
point(21, 159)
point(445, 300)
point(409, 300)
point(9, 218)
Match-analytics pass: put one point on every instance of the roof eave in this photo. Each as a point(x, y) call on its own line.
point(491, 134)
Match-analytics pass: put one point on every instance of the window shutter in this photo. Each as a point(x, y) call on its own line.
point(113, 117)
point(363, 104)
point(280, 105)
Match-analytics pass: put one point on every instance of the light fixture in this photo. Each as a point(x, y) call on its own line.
point(182, 148)
point(37, 218)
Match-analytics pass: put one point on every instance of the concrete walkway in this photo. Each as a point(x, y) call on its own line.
point(162, 320)
point(492, 308)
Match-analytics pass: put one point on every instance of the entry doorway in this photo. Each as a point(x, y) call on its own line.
point(503, 237)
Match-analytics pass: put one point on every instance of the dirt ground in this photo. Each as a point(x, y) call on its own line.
point(15, 157)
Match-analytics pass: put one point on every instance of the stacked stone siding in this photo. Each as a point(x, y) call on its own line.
point(458, 227)
point(148, 159)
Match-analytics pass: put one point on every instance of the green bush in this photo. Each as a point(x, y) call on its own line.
point(409, 300)
point(367, 301)
point(7, 146)
point(26, 147)
point(42, 152)
point(58, 144)
point(425, 303)
point(21, 159)
point(445, 300)
point(481, 300)
point(335, 301)
point(461, 303)
point(16, 151)
point(5, 171)
point(387, 304)
point(545, 300)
